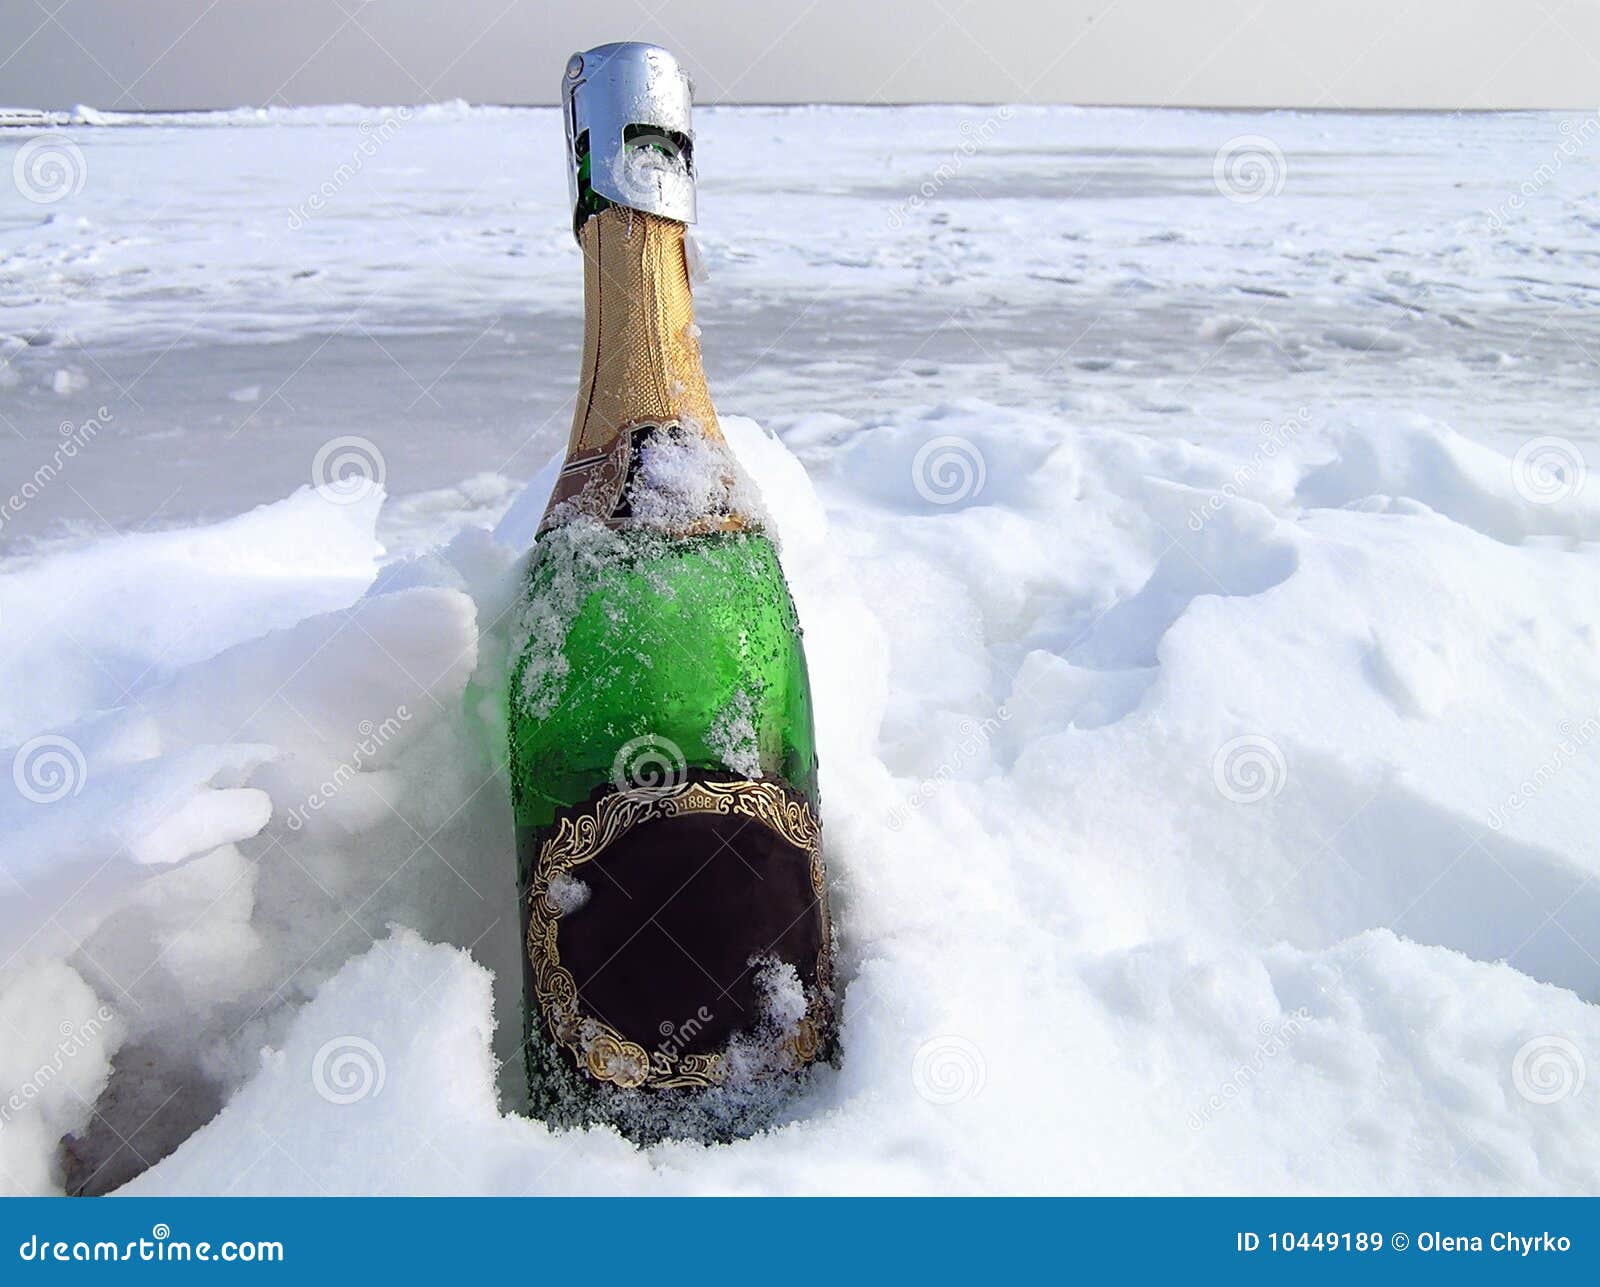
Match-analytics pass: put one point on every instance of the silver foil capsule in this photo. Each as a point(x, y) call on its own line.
point(629, 105)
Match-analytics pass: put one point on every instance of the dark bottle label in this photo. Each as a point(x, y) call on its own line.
point(655, 918)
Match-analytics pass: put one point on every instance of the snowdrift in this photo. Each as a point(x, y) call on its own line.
point(1202, 820)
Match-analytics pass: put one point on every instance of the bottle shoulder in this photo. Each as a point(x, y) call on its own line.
point(688, 644)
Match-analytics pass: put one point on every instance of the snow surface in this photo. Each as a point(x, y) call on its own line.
point(1207, 745)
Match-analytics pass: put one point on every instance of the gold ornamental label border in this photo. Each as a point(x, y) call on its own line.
point(600, 1049)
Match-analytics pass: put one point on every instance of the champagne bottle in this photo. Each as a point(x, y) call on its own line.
point(677, 944)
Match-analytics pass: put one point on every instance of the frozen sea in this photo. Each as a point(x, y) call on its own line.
point(1190, 514)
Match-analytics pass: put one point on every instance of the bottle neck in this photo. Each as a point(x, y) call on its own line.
point(641, 355)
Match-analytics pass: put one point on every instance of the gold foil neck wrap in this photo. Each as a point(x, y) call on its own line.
point(641, 360)
point(641, 367)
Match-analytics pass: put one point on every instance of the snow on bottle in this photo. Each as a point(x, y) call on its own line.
point(677, 946)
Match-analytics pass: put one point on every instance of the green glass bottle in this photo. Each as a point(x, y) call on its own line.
point(678, 950)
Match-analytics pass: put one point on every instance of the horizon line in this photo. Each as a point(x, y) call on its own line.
point(881, 104)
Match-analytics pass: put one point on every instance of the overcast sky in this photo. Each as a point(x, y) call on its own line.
point(133, 54)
